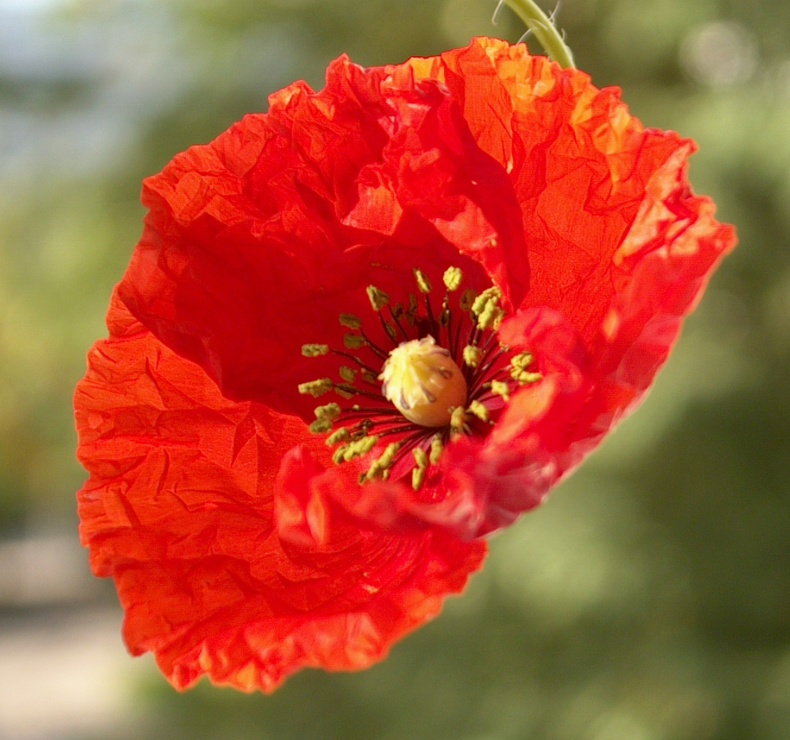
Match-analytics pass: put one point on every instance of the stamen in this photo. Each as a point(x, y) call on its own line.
point(370, 377)
point(355, 360)
point(522, 360)
point(518, 369)
point(446, 320)
point(411, 311)
point(419, 472)
point(378, 298)
point(423, 283)
point(491, 355)
point(500, 389)
point(316, 388)
point(480, 410)
point(350, 389)
point(452, 278)
point(347, 374)
point(350, 321)
point(389, 330)
point(331, 411)
point(525, 378)
point(424, 286)
point(472, 355)
point(437, 447)
point(486, 309)
point(467, 299)
point(339, 435)
point(372, 346)
point(397, 313)
point(458, 420)
point(357, 448)
point(353, 341)
point(314, 350)
point(381, 466)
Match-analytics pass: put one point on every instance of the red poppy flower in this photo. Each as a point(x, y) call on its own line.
point(359, 332)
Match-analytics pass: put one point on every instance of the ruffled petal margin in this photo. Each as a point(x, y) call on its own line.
point(238, 548)
point(255, 243)
point(180, 511)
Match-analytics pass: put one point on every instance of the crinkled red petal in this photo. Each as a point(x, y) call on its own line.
point(619, 247)
point(180, 510)
point(619, 251)
point(591, 181)
point(255, 243)
point(238, 548)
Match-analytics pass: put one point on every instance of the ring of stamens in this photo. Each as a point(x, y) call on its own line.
point(440, 343)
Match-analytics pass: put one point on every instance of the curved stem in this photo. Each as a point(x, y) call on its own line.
point(545, 31)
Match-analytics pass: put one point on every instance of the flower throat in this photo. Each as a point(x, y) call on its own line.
point(445, 375)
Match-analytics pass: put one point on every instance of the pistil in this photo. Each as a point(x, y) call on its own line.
point(423, 382)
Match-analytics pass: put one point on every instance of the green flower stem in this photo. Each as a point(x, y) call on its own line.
point(545, 31)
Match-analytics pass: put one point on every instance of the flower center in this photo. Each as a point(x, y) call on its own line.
point(423, 382)
point(444, 375)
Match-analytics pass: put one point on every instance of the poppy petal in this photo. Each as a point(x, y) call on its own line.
point(180, 508)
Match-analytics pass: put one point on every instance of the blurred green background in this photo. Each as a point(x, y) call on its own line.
point(647, 600)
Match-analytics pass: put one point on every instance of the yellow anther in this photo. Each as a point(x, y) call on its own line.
point(339, 435)
point(353, 341)
point(344, 391)
point(381, 466)
point(314, 350)
point(321, 426)
point(525, 378)
point(472, 355)
point(331, 411)
point(518, 369)
point(489, 295)
point(437, 447)
point(522, 360)
point(378, 298)
point(452, 278)
point(423, 382)
point(388, 456)
point(421, 469)
point(500, 389)
point(458, 420)
point(316, 388)
point(347, 374)
point(423, 283)
point(479, 410)
point(491, 318)
point(350, 321)
point(486, 308)
point(359, 447)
